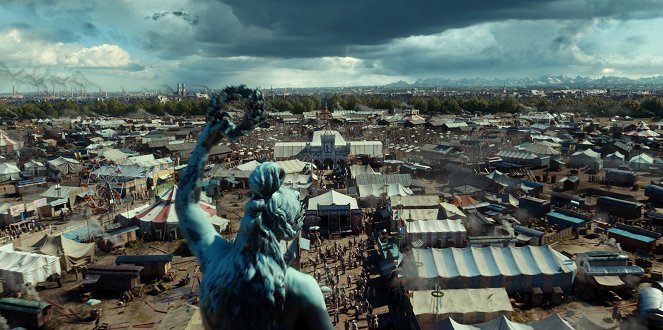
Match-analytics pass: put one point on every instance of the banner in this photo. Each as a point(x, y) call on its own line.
point(16, 209)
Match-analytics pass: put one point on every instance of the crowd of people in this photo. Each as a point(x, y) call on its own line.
point(332, 265)
point(15, 231)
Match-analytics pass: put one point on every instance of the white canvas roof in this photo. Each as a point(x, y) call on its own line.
point(461, 301)
point(435, 226)
point(17, 268)
point(292, 166)
point(288, 149)
point(416, 214)
point(6, 168)
point(587, 152)
point(376, 190)
point(552, 322)
point(415, 201)
point(361, 169)
point(332, 197)
point(514, 268)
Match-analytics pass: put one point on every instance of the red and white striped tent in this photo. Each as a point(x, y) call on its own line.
point(7, 145)
point(433, 232)
point(642, 131)
point(160, 218)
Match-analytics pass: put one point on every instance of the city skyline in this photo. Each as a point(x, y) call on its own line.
point(148, 44)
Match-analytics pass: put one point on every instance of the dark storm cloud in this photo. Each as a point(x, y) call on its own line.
point(331, 27)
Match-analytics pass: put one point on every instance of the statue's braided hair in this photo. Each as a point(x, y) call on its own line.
point(258, 270)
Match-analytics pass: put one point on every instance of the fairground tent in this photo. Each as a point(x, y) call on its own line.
point(9, 172)
point(517, 269)
point(71, 253)
point(465, 305)
point(361, 169)
point(63, 165)
point(643, 162)
point(7, 145)
point(552, 322)
point(377, 190)
point(584, 158)
point(18, 268)
point(160, 218)
point(430, 232)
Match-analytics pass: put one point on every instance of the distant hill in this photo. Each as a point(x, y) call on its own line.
point(560, 81)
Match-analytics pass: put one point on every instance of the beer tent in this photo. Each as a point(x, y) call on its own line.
point(18, 268)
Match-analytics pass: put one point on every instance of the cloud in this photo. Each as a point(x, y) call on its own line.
point(21, 47)
point(299, 42)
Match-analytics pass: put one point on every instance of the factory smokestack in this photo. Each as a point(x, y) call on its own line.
point(13, 91)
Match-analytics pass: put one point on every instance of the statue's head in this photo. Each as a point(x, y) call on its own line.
point(282, 212)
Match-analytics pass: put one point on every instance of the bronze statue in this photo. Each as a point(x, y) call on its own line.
point(246, 283)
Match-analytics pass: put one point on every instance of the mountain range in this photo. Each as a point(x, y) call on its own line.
point(560, 81)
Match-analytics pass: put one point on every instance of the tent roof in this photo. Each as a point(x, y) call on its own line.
point(332, 197)
point(250, 166)
point(361, 169)
point(419, 201)
point(417, 214)
point(376, 190)
point(435, 226)
point(541, 149)
point(489, 261)
point(587, 152)
point(292, 166)
point(377, 178)
point(21, 262)
point(5, 140)
point(58, 245)
point(6, 168)
point(552, 322)
point(164, 209)
point(642, 159)
point(461, 301)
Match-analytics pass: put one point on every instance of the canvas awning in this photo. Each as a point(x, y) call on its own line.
point(609, 280)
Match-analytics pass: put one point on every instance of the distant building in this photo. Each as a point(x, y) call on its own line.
point(327, 149)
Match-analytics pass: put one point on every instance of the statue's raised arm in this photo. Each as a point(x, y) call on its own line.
point(194, 223)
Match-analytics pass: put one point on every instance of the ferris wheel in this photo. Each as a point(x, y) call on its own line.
point(105, 179)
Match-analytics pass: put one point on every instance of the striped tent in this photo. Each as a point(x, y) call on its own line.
point(161, 220)
point(7, 145)
point(434, 232)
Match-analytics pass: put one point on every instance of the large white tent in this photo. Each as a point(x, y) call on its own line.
point(517, 269)
point(18, 268)
point(552, 322)
point(378, 190)
point(332, 197)
point(9, 172)
point(430, 232)
point(465, 305)
point(642, 162)
point(583, 158)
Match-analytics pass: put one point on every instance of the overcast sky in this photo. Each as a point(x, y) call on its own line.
point(304, 43)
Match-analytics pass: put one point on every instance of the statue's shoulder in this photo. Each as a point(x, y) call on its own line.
point(304, 288)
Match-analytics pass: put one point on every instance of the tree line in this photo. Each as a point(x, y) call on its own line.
point(637, 107)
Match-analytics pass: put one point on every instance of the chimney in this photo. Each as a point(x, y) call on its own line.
point(13, 91)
